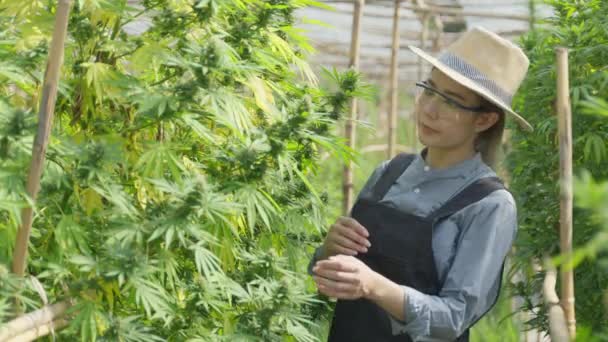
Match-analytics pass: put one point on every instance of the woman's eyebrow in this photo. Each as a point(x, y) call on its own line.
point(430, 81)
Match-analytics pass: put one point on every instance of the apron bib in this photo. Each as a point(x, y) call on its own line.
point(401, 250)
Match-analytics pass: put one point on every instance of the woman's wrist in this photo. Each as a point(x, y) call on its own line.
point(387, 294)
point(378, 287)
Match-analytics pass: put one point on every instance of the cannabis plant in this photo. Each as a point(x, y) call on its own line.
point(175, 203)
point(534, 162)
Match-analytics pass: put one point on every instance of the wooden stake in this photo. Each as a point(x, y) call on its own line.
point(459, 12)
point(424, 20)
point(41, 331)
point(532, 13)
point(394, 88)
point(438, 33)
point(557, 320)
point(423, 37)
point(33, 320)
point(447, 11)
point(45, 119)
point(347, 186)
point(565, 167)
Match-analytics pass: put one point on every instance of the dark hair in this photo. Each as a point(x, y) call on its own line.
point(488, 142)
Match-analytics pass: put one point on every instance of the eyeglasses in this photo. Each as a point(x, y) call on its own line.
point(429, 91)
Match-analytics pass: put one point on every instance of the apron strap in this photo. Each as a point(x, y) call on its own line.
point(394, 169)
point(471, 194)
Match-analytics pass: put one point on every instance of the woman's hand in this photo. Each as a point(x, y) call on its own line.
point(345, 277)
point(346, 236)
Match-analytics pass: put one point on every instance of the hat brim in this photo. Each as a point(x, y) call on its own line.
point(466, 82)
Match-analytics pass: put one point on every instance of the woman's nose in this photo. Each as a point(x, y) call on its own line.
point(430, 108)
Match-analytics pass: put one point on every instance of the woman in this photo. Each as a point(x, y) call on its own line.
point(421, 256)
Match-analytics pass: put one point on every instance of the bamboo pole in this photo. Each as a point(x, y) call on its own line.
point(408, 37)
point(424, 20)
point(33, 320)
point(394, 88)
point(557, 320)
point(448, 11)
point(370, 13)
point(41, 331)
point(459, 12)
point(565, 156)
point(45, 119)
point(532, 13)
point(347, 186)
point(423, 37)
point(438, 33)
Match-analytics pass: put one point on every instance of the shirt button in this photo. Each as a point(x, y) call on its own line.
point(427, 168)
point(416, 190)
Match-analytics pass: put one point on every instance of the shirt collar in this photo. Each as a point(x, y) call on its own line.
point(464, 169)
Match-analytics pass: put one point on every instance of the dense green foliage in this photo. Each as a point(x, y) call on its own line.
point(533, 163)
point(593, 196)
point(175, 202)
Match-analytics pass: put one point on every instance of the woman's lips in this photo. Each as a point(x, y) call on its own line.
point(427, 130)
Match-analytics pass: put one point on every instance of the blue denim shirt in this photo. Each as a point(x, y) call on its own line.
point(468, 247)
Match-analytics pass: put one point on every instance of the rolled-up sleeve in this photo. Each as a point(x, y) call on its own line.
point(471, 285)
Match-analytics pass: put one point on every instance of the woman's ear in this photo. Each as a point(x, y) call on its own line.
point(485, 120)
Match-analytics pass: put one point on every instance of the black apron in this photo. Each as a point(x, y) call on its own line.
point(401, 250)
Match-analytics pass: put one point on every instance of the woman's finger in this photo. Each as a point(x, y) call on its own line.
point(336, 287)
point(329, 292)
point(335, 265)
point(345, 242)
point(353, 235)
point(346, 251)
point(345, 277)
point(354, 225)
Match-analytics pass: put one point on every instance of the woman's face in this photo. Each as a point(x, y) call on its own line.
point(442, 122)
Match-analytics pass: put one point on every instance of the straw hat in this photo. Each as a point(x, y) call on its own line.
point(486, 63)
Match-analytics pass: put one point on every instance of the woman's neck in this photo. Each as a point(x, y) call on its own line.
point(439, 158)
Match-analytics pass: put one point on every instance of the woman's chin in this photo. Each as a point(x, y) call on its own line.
point(428, 139)
point(433, 141)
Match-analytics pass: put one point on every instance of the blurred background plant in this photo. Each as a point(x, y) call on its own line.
point(533, 163)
